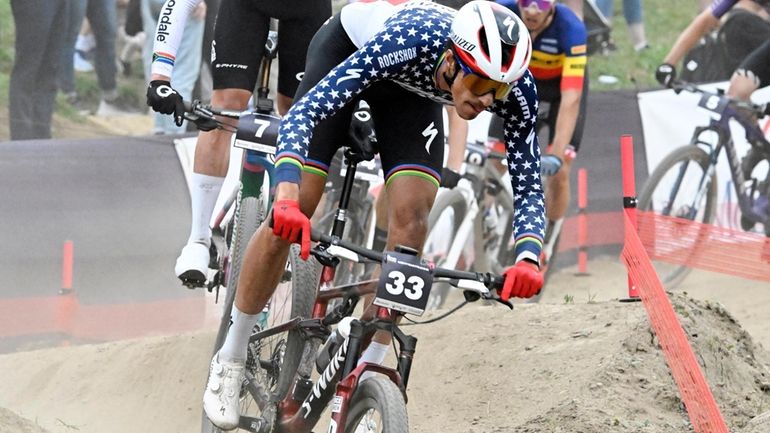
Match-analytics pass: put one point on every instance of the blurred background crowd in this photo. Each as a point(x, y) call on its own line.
point(87, 60)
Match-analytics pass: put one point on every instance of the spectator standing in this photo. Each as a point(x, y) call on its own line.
point(103, 20)
point(188, 59)
point(632, 12)
point(39, 25)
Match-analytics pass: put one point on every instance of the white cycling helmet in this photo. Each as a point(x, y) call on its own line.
point(491, 40)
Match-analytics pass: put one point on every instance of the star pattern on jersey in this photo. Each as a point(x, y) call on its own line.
point(406, 51)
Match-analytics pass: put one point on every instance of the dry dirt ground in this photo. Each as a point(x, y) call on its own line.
point(578, 362)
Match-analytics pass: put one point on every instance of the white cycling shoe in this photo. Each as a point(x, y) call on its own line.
point(221, 399)
point(192, 265)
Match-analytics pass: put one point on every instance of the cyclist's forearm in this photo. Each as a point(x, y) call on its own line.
point(566, 121)
point(458, 135)
point(168, 34)
point(287, 191)
point(702, 24)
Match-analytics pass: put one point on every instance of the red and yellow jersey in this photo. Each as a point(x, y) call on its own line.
point(560, 50)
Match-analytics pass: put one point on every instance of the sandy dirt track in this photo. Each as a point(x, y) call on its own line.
point(580, 364)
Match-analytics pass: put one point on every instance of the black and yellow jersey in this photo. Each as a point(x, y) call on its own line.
point(559, 52)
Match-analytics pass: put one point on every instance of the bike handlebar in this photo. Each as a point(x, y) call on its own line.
point(760, 110)
point(483, 284)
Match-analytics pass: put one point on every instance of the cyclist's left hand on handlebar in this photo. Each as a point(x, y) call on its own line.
point(289, 223)
point(550, 164)
point(522, 280)
point(449, 178)
point(164, 99)
point(665, 74)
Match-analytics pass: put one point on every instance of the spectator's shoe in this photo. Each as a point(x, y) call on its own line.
point(221, 399)
point(113, 108)
point(192, 265)
point(80, 63)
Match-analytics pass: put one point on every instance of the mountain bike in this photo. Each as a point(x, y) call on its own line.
point(684, 184)
point(478, 210)
point(278, 378)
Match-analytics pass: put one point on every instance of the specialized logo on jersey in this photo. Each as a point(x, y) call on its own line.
point(350, 74)
point(431, 133)
point(213, 51)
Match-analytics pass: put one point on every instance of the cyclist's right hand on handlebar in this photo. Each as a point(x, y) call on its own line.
point(289, 223)
point(522, 280)
point(665, 74)
point(164, 99)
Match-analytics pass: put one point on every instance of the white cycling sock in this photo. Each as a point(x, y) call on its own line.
point(241, 326)
point(204, 191)
point(374, 354)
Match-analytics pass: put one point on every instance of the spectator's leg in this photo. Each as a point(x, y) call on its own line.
point(76, 10)
point(102, 15)
point(33, 79)
point(632, 10)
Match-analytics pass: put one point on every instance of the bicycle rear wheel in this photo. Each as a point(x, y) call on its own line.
point(444, 221)
point(671, 190)
point(377, 406)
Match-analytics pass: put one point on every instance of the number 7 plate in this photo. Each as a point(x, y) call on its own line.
point(404, 284)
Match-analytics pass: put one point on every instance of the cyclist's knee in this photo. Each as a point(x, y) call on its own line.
point(232, 99)
point(408, 223)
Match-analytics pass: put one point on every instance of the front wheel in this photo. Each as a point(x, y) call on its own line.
point(377, 406)
point(671, 190)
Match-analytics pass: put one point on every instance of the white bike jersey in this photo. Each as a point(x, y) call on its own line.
point(168, 34)
point(402, 44)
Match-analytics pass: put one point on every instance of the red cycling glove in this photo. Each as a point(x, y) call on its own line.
point(289, 223)
point(522, 280)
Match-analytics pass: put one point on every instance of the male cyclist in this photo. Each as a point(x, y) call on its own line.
point(236, 52)
point(559, 66)
point(405, 61)
point(745, 26)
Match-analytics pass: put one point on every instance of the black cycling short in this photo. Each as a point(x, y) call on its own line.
point(550, 91)
point(240, 34)
point(410, 128)
point(758, 63)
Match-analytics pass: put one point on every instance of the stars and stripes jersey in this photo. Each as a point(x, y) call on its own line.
point(559, 51)
point(402, 43)
point(168, 34)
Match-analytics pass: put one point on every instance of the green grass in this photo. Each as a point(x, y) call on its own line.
point(663, 20)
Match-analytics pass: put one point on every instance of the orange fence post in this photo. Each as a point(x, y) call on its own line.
point(66, 304)
point(629, 197)
point(582, 222)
